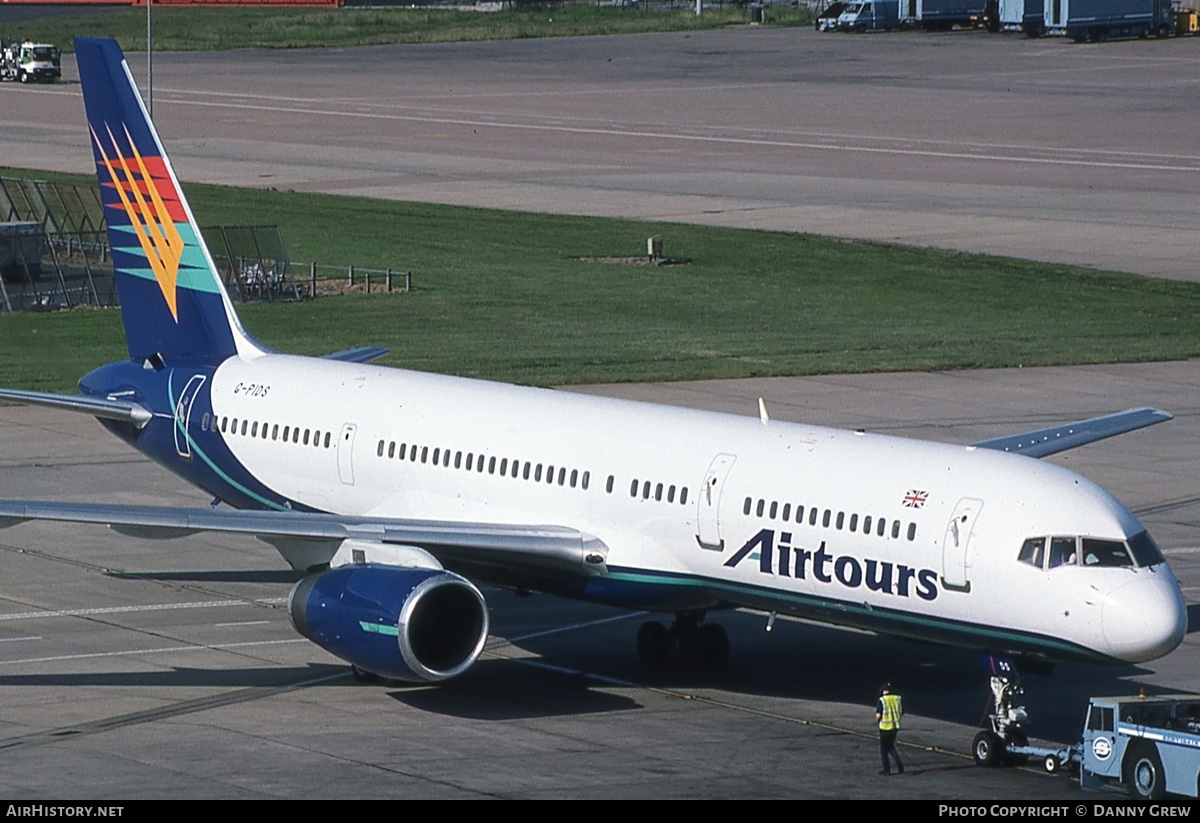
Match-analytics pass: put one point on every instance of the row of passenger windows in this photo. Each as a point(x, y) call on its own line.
point(264, 430)
point(469, 461)
point(879, 526)
point(646, 485)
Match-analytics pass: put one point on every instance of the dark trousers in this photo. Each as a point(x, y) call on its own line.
point(887, 748)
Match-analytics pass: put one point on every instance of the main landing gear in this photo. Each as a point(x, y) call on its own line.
point(688, 642)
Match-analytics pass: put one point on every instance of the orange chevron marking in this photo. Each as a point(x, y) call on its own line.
point(149, 216)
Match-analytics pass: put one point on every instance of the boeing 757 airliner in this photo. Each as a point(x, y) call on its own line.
point(401, 492)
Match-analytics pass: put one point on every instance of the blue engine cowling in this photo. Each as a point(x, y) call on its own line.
point(401, 623)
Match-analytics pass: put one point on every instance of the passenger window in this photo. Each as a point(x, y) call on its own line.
point(562, 476)
point(575, 478)
point(326, 439)
point(912, 532)
point(881, 527)
point(379, 451)
point(854, 522)
point(895, 529)
point(746, 506)
point(867, 524)
point(633, 488)
point(774, 509)
point(658, 492)
point(608, 487)
point(787, 511)
point(1033, 552)
point(587, 476)
point(275, 432)
point(841, 519)
point(812, 517)
point(758, 511)
point(683, 496)
point(671, 494)
point(825, 518)
point(1062, 552)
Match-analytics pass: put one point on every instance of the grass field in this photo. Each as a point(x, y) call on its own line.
point(507, 295)
point(215, 29)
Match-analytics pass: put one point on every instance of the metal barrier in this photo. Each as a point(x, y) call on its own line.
point(54, 254)
point(325, 280)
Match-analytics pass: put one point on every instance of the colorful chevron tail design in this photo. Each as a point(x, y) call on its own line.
point(172, 299)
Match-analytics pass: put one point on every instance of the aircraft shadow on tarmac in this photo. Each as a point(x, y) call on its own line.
point(806, 662)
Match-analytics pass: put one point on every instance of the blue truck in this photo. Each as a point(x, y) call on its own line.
point(871, 15)
point(1150, 745)
point(943, 15)
point(1097, 20)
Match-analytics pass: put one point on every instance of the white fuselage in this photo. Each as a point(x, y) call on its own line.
point(913, 537)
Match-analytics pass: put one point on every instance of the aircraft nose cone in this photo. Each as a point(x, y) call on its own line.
point(1144, 619)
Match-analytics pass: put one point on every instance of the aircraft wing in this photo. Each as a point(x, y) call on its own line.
point(124, 410)
point(1055, 439)
point(535, 549)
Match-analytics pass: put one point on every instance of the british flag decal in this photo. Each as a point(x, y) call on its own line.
point(915, 498)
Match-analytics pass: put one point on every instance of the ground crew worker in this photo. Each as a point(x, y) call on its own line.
point(888, 712)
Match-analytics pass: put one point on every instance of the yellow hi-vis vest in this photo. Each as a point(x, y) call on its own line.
point(890, 716)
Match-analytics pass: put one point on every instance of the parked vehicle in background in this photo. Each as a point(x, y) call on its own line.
point(1097, 20)
point(26, 61)
point(828, 19)
point(943, 15)
point(871, 15)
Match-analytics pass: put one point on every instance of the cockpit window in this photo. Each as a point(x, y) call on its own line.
point(1033, 551)
point(1145, 550)
point(1105, 553)
point(1062, 552)
point(1139, 550)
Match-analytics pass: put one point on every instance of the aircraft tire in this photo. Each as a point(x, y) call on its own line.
point(1051, 764)
point(1143, 772)
point(714, 646)
point(652, 642)
point(987, 749)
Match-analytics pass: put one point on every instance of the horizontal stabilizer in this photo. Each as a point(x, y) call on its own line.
point(544, 548)
point(123, 410)
point(359, 354)
point(1055, 439)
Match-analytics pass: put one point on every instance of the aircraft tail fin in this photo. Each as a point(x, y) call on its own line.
point(172, 299)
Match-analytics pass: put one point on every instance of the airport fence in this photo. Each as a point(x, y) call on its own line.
point(53, 247)
point(325, 279)
point(54, 254)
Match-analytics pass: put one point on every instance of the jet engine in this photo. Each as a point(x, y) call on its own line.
point(409, 624)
